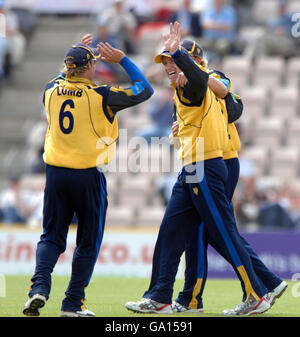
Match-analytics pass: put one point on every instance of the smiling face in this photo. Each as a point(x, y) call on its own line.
point(171, 68)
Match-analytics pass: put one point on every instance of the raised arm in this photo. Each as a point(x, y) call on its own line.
point(197, 84)
point(119, 98)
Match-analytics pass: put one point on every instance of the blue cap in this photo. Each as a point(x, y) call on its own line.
point(79, 55)
point(192, 47)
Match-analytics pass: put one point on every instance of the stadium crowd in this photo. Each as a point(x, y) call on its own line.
point(17, 27)
point(223, 28)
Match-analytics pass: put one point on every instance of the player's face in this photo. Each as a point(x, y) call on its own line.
point(171, 68)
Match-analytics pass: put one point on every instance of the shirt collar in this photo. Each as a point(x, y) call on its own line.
point(75, 79)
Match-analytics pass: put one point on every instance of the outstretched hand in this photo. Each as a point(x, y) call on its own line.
point(109, 53)
point(173, 39)
point(87, 39)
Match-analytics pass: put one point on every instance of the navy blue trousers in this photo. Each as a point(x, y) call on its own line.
point(196, 268)
point(202, 200)
point(70, 191)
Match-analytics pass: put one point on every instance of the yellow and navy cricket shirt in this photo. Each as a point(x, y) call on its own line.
point(233, 146)
point(82, 123)
point(198, 113)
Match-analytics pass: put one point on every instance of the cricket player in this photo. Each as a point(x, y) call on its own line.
point(199, 193)
point(81, 137)
point(190, 299)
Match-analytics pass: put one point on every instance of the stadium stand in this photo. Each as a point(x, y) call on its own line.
point(150, 215)
point(280, 156)
point(269, 126)
point(293, 132)
point(284, 99)
point(293, 71)
point(239, 69)
point(260, 8)
point(257, 155)
point(255, 100)
point(121, 215)
point(268, 70)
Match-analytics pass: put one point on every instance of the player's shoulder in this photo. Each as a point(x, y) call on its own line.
point(217, 73)
point(100, 89)
point(55, 81)
point(222, 77)
point(52, 84)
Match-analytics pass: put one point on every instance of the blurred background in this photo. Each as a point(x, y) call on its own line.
point(254, 47)
point(255, 43)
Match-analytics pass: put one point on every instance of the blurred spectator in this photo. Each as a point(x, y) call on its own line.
point(1, 215)
point(3, 42)
point(161, 109)
point(243, 12)
point(102, 35)
point(219, 29)
point(36, 218)
point(143, 10)
point(105, 72)
point(38, 166)
point(11, 203)
point(274, 211)
point(117, 25)
point(189, 21)
point(35, 146)
point(22, 200)
point(263, 201)
point(3, 53)
point(290, 199)
point(27, 20)
point(164, 185)
point(282, 23)
point(244, 199)
point(277, 40)
point(14, 43)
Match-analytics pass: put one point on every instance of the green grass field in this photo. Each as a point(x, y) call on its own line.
point(107, 296)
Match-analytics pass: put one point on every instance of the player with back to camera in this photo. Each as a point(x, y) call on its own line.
point(192, 202)
point(81, 137)
point(190, 299)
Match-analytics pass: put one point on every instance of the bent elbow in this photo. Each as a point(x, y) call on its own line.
point(149, 91)
point(224, 92)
